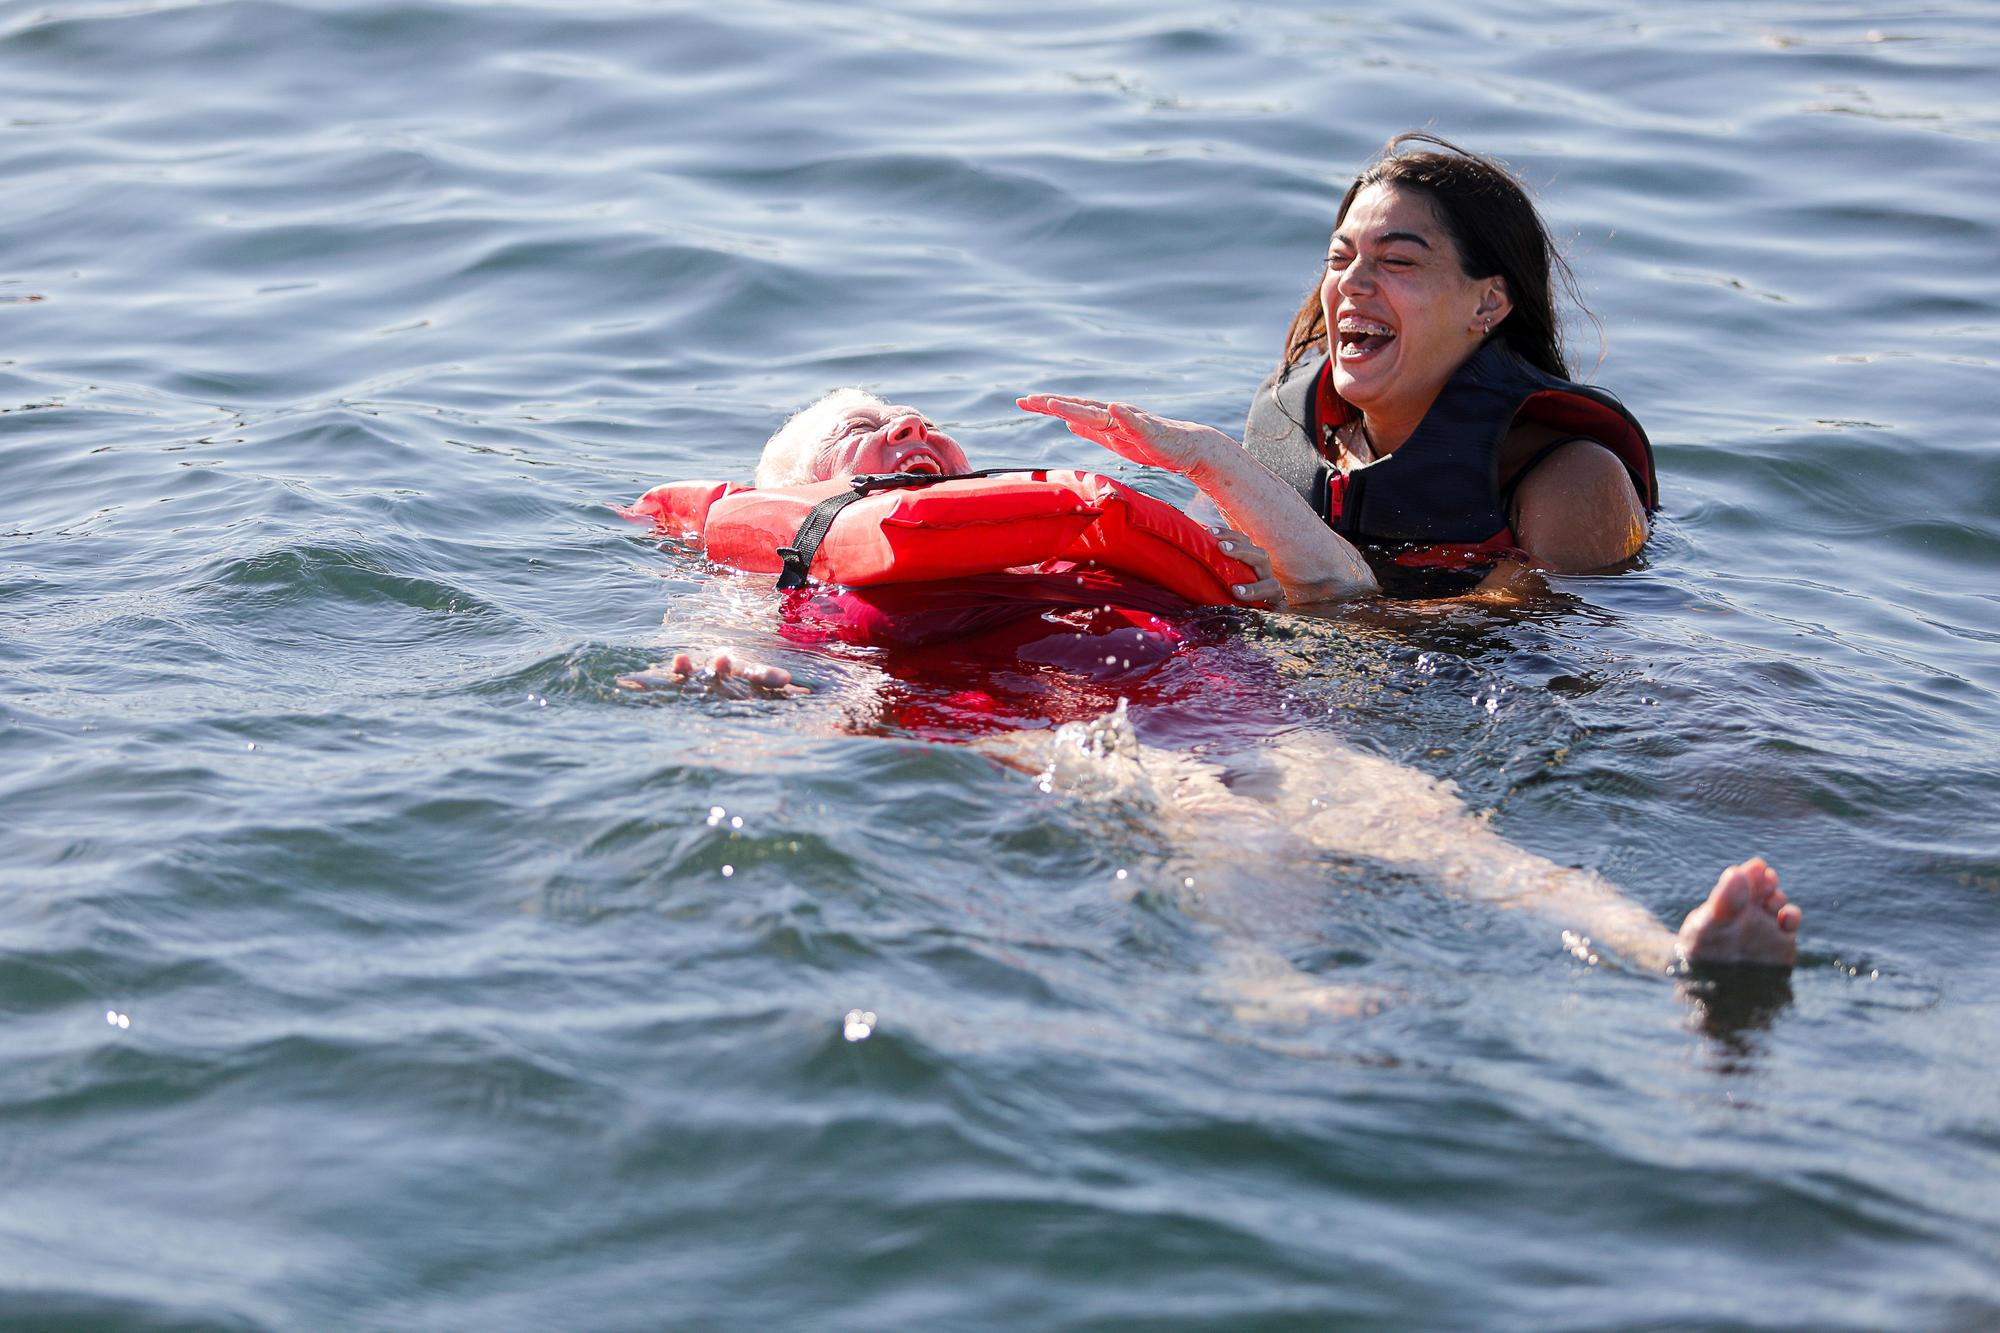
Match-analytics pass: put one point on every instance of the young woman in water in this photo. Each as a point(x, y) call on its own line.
point(1422, 407)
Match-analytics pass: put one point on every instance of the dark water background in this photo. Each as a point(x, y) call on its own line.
point(368, 960)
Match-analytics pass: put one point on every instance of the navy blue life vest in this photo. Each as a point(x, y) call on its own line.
point(1439, 492)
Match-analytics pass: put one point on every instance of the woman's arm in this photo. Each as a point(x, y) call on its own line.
point(1577, 511)
point(1309, 561)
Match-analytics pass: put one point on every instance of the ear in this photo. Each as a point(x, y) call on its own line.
point(1494, 303)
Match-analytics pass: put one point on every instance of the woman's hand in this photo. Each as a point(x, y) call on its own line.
point(1178, 446)
point(1298, 559)
point(1266, 590)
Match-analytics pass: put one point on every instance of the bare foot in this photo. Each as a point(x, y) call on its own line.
point(723, 675)
point(1745, 920)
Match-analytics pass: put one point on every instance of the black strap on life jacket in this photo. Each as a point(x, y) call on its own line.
point(798, 557)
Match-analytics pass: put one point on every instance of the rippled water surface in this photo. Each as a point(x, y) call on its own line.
point(368, 959)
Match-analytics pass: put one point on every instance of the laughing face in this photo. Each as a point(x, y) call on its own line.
point(887, 437)
point(849, 432)
point(1401, 314)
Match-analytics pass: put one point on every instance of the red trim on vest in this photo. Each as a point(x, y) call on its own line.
point(1568, 412)
point(1500, 546)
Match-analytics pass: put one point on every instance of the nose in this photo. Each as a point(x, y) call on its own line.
point(1354, 277)
point(906, 429)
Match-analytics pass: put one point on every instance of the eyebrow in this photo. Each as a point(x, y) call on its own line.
point(1385, 238)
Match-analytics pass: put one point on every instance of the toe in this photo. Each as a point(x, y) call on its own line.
point(1732, 894)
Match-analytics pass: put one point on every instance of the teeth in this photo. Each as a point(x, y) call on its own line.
point(1362, 327)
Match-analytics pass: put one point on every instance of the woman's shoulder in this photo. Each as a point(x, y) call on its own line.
point(1570, 501)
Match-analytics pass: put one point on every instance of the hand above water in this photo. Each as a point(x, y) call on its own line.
point(722, 676)
point(1294, 548)
point(1185, 447)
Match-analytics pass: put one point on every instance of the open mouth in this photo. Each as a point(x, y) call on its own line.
point(922, 461)
point(1359, 339)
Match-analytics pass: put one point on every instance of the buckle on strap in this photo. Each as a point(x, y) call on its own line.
point(796, 559)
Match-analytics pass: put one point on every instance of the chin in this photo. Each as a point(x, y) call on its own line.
point(1355, 391)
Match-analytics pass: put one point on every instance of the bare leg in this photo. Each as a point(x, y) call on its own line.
point(1368, 806)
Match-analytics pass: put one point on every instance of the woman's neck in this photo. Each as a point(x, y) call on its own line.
point(1384, 432)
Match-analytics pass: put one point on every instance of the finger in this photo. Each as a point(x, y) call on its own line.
point(766, 677)
point(1058, 405)
point(1130, 417)
point(1264, 592)
point(1249, 553)
point(652, 678)
point(681, 665)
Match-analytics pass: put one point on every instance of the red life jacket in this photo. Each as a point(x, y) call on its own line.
point(913, 528)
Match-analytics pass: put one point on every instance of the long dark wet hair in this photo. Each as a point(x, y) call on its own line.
point(1486, 211)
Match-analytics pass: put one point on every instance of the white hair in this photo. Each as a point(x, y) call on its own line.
point(796, 452)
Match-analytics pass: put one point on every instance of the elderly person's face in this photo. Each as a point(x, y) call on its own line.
point(851, 432)
point(887, 437)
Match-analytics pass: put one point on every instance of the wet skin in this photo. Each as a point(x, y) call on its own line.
point(891, 437)
point(1401, 315)
point(1744, 919)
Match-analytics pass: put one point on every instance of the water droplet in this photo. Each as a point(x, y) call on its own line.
point(117, 1020)
point(728, 871)
point(736, 822)
point(251, 746)
point(715, 815)
point(1121, 874)
point(859, 1024)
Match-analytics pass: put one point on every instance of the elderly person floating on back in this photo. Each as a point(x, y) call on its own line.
point(1745, 917)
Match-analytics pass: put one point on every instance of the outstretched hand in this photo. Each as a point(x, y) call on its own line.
point(1178, 446)
point(723, 676)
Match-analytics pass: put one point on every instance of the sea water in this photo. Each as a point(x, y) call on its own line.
point(369, 959)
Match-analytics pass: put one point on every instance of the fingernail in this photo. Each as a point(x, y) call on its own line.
point(1228, 546)
point(1239, 589)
